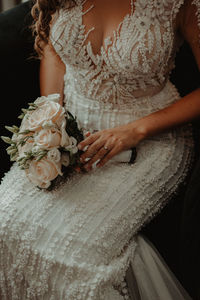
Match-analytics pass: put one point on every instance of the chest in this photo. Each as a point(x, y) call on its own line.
point(105, 16)
point(135, 40)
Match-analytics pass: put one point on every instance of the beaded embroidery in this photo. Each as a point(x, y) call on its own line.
point(139, 57)
point(66, 244)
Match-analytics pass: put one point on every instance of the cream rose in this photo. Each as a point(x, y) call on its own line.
point(48, 138)
point(42, 172)
point(47, 114)
point(52, 97)
point(72, 147)
point(54, 155)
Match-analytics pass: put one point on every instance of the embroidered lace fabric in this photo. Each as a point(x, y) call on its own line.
point(77, 242)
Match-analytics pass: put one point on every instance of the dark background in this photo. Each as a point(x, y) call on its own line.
point(175, 232)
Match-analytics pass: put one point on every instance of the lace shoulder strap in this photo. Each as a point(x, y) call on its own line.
point(190, 3)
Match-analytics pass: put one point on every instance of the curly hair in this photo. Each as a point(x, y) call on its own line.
point(42, 12)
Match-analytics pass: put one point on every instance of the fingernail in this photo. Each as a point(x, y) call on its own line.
point(79, 147)
point(87, 134)
point(85, 148)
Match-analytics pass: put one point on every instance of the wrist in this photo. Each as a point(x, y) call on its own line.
point(138, 129)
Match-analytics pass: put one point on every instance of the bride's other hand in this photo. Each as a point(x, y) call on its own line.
point(105, 144)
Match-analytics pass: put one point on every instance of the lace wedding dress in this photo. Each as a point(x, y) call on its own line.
point(80, 241)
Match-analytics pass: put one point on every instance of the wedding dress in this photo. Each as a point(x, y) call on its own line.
point(80, 241)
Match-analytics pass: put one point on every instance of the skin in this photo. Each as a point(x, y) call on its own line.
point(109, 14)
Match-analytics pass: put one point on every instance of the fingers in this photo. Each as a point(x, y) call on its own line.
point(88, 140)
point(99, 155)
point(107, 157)
point(93, 147)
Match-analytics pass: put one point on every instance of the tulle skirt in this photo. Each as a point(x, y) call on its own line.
point(149, 278)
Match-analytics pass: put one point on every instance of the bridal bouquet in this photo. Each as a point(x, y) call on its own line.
point(45, 144)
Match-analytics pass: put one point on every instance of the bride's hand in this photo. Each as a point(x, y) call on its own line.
point(103, 145)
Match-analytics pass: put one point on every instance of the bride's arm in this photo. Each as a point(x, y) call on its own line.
point(52, 71)
point(184, 110)
point(187, 108)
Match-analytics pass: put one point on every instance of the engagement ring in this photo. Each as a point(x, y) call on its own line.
point(105, 147)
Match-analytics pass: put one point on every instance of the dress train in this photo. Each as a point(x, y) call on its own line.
point(149, 278)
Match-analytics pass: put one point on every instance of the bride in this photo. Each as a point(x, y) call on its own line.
point(110, 61)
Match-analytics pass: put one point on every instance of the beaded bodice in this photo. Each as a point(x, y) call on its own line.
point(136, 61)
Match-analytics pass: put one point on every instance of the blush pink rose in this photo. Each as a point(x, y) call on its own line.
point(48, 138)
point(47, 114)
point(52, 97)
point(42, 172)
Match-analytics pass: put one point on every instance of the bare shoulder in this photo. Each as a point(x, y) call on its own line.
point(189, 26)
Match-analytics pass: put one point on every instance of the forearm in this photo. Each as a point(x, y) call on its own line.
point(183, 111)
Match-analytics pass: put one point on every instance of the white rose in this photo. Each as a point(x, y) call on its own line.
point(65, 161)
point(42, 172)
point(48, 112)
point(54, 155)
point(52, 97)
point(72, 147)
point(48, 138)
point(36, 149)
point(48, 124)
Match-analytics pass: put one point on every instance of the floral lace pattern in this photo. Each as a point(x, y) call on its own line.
point(76, 242)
point(143, 43)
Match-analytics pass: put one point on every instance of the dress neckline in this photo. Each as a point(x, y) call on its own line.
point(108, 41)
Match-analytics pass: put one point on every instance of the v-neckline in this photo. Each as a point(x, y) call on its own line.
point(110, 40)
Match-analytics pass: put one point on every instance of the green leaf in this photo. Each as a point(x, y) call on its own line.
point(11, 147)
point(6, 139)
point(12, 158)
point(22, 142)
point(12, 151)
point(24, 110)
point(24, 132)
point(32, 108)
point(21, 116)
point(40, 157)
point(20, 159)
point(32, 104)
point(11, 129)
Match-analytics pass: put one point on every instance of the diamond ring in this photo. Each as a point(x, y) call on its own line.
point(105, 147)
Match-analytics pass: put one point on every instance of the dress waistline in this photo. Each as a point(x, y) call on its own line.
point(158, 97)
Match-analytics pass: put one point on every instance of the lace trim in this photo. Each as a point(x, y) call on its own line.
point(109, 40)
point(145, 62)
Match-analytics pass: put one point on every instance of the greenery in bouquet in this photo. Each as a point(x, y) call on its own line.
point(45, 144)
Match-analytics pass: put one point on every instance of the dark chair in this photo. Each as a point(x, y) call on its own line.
point(175, 231)
point(19, 71)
